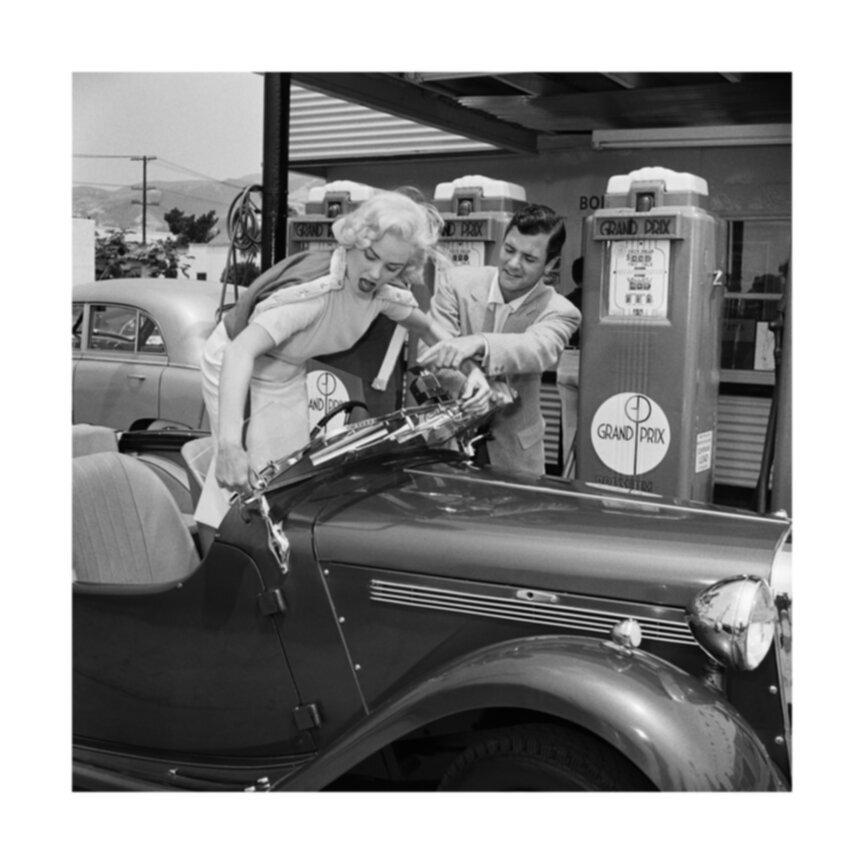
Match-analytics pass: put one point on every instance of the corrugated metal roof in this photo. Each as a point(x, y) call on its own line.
point(326, 128)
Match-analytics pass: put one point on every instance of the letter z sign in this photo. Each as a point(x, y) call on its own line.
point(630, 433)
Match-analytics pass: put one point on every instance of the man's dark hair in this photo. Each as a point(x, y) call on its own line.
point(540, 219)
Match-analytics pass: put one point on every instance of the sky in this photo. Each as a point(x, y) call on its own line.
point(210, 123)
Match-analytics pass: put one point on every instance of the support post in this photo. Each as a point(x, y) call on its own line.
point(781, 493)
point(274, 219)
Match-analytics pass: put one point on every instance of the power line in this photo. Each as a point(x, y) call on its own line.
point(119, 186)
point(162, 161)
point(100, 156)
point(175, 165)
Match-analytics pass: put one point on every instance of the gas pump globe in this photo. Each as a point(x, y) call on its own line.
point(651, 327)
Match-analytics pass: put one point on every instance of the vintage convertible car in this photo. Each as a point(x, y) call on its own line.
point(381, 613)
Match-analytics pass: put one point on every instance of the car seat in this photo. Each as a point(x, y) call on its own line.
point(126, 526)
point(175, 478)
point(88, 439)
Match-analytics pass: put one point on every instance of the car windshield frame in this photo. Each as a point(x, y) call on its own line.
point(431, 425)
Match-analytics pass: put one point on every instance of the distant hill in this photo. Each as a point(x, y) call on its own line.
point(117, 208)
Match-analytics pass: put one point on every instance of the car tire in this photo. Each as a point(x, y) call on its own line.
point(541, 757)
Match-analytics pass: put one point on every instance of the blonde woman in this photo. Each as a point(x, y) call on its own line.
point(387, 238)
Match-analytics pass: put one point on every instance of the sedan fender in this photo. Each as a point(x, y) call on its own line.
point(680, 733)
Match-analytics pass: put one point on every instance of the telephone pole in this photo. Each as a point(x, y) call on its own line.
point(144, 190)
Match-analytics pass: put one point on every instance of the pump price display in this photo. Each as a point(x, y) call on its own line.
point(464, 254)
point(639, 279)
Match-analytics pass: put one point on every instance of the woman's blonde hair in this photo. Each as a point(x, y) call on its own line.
point(392, 213)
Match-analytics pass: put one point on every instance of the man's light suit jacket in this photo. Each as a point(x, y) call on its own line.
point(531, 341)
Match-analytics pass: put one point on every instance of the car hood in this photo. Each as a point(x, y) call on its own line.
point(483, 525)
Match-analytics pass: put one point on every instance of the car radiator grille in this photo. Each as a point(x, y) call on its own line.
point(564, 614)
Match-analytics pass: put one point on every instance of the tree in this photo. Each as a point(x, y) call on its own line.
point(117, 258)
point(161, 258)
point(113, 256)
point(191, 228)
point(246, 271)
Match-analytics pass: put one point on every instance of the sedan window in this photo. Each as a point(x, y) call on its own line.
point(122, 328)
point(150, 340)
point(112, 328)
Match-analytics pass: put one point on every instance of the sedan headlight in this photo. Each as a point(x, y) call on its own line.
point(734, 621)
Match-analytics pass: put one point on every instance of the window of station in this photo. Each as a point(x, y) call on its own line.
point(757, 267)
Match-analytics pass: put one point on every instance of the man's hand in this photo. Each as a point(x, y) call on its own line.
point(476, 392)
point(232, 467)
point(452, 353)
point(502, 394)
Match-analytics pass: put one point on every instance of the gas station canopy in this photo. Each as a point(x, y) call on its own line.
point(419, 115)
point(525, 112)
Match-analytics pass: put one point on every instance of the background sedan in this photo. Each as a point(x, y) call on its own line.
point(136, 349)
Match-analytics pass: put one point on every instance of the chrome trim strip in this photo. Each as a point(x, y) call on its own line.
point(572, 493)
point(551, 610)
point(562, 615)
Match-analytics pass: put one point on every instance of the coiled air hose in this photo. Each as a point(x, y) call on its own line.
point(244, 227)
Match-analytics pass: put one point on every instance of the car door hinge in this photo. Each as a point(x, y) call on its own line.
point(307, 716)
point(272, 602)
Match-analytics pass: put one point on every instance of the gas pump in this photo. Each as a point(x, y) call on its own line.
point(325, 205)
point(651, 326)
point(355, 374)
point(476, 211)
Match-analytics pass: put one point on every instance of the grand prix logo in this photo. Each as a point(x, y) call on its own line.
point(325, 392)
point(630, 433)
point(631, 227)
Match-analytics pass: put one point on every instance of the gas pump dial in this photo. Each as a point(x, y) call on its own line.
point(640, 279)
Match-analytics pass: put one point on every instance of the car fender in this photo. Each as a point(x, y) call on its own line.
point(681, 733)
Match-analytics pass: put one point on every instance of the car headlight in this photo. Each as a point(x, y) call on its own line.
point(734, 619)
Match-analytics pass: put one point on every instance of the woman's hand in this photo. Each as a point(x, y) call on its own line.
point(232, 467)
point(476, 391)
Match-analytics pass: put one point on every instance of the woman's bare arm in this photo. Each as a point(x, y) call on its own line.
point(232, 461)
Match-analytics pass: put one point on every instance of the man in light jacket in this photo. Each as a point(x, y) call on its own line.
point(514, 324)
